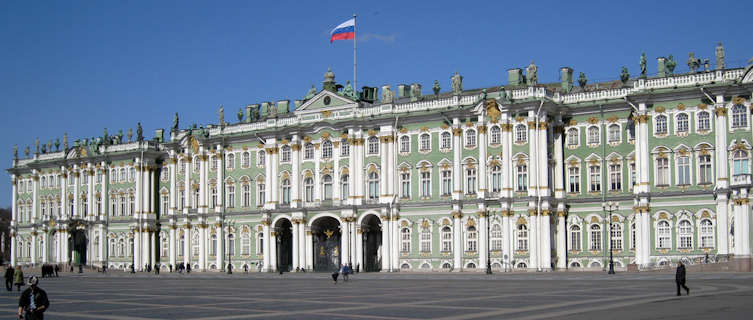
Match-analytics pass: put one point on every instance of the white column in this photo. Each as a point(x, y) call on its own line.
point(221, 238)
point(203, 182)
point(90, 192)
point(146, 242)
point(295, 179)
point(45, 246)
point(105, 213)
point(220, 180)
point(507, 247)
point(187, 247)
point(359, 248)
point(395, 240)
point(296, 243)
point(13, 248)
point(152, 189)
point(203, 246)
point(302, 244)
point(102, 245)
point(64, 246)
point(457, 189)
point(34, 244)
point(309, 250)
point(721, 162)
point(273, 251)
point(317, 173)
point(188, 189)
point(35, 201)
point(266, 247)
point(384, 173)
point(483, 188)
point(561, 239)
point(646, 236)
point(153, 248)
point(386, 241)
point(64, 193)
point(345, 240)
point(483, 251)
point(545, 247)
point(533, 234)
point(742, 226)
point(457, 238)
point(14, 218)
point(139, 191)
point(173, 246)
point(136, 248)
point(172, 172)
point(722, 221)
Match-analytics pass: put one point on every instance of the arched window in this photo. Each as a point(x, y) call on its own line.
point(326, 149)
point(496, 237)
point(446, 140)
point(593, 135)
point(740, 162)
point(425, 142)
point(373, 145)
point(405, 240)
point(344, 148)
point(213, 201)
point(682, 123)
point(260, 243)
point(707, 234)
point(575, 238)
point(595, 231)
point(405, 184)
point(685, 234)
point(496, 178)
point(664, 235)
point(426, 239)
point(615, 236)
point(704, 124)
point(572, 137)
point(286, 191)
point(195, 164)
point(246, 159)
point(632, 236)
point(245, 243)
point(521, 133)
point(614, 133)
point(285, 154)
point(230, 164)
point(522, 236)
point(470, 138)
point(661, 124)
point(683, 170)
point(495, 136)
point(739, 116)
point(344, 192)
point(165, 247)
point(472, 239)
point(662, 171)
point(308, 151)
point(123, 177)
point(308, 189)
point(404, 144)
point(446, 239)
point(373, 185)
point(327, 186)
point(131, 205)
point(262, 158)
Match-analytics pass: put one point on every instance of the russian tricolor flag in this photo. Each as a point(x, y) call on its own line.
point(345, 31)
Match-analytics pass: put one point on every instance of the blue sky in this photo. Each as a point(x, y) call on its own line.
point(81, 66)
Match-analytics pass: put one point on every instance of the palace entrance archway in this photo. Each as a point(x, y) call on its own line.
point(325, 233)
point(371, 229)
point(77, 243)
point(284, 245)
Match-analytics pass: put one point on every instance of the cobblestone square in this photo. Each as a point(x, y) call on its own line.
point(215, 296)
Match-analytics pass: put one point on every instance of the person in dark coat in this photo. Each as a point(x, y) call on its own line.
point(335, 275)
point(9, 272)
point(57, 269)
point(680, 278)
point(33, 301)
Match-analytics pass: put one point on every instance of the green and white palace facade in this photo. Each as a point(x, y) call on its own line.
point(395, 180)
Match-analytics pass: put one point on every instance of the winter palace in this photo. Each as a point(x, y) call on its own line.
point(521, 176)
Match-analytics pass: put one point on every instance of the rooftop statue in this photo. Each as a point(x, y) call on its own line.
point(706, 66)
point(311, 93)
point(349, 92)
point(693, 62)
point(483, 94)
point(624, 75)
point(27, 151)
point(44, 149)
point(503, 94)
point(65, 141)
point(139, 132)
point(436, 87)
point(671, 64)
point(15, 151)
point(531, 74)
point(106, 137)
point(221, 113)
point(457, 83)
point(57, 144)
point(175, 122)
point(719, 56)
point(36, 145)
point(582, 80)
point(120, 136)
point(129, 134)
point(643, 64)
point(387, 95)
point(240, 114)
point(49, 145)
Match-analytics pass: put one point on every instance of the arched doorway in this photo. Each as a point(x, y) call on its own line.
point(284, 245)
point(325, 233)
point(77, 243)
point(372, 244)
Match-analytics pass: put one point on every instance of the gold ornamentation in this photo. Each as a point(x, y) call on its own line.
point(594, 219)
point(738, 100)
point(612, 119)
point(681, 107)
point(329, 233)
point(326, 113)
point(520, 221)
point(720, 111)
point(660, 109)
point(573, 122)
point(593, 120)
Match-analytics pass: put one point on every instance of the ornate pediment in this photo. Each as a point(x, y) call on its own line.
point(326, 100)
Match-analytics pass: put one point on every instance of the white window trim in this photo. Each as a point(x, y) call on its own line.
point(697, 166)
point(490, 135)
point(655, 158)
point(588, 135)
point(656, 233)
point(692, 234)
point(424, 151)
point(676, 127)
point(730, 117)
point(400, 144)
point(656, 125)
point(691, 175)
point(697, 122)
point(619, 134)
point(577, 138)
point(515, 134)
point(466, 133)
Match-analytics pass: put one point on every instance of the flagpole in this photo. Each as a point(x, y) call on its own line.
point(355, 84)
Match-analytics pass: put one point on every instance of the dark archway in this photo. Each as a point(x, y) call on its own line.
point(326, 234)
point(284, 245)
point(371, 229)
point(77, 242)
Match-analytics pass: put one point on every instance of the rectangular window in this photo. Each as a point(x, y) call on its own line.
point(615, 177)
point(405, 185)
point(470, 175)
point(522, 178)
point(683, 170)
point(260, 187)
point(246, 195)
point(575, 239)
point(446, 182)
point(344, 148)
point(574, 179)
point(425, 184)
point(230, 196)
point(632, 175)
point(425, 240)
point(705, 176)
point(662, 171)
point(595, 175)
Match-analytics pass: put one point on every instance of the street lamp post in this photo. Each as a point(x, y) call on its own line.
point(488, 249)
point(229, 250)
point(610, 207)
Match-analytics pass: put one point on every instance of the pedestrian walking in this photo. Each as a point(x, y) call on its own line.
point(18, 277)
point(345, 272)
point(245, 268)
point(9, 272)
point(57, 269)
point(680, 278)
point(33, 301)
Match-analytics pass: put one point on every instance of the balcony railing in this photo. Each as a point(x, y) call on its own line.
point(741, 180)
